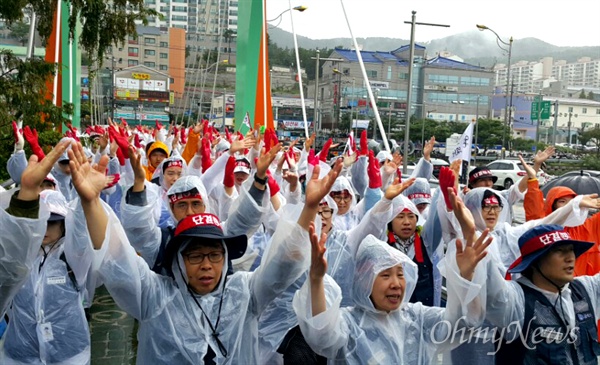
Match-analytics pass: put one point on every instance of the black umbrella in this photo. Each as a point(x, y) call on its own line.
point(582, 182)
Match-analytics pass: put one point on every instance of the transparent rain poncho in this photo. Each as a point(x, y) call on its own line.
point(172, 328)
point(47, 319)
point(364, 335)
point(505, 247)
point(341, 245)
point(19, 245)
point(357, 211)
point(165, 214)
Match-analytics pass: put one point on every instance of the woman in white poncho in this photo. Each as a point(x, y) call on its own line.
point(382, 327)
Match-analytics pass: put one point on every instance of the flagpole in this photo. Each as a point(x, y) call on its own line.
point(369, 91)
point(299, 70)
point(265, 48)
point(56, 50)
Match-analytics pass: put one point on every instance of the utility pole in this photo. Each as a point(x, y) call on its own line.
point(411, 60)
point(539, 119)
point(510, 121)
point(316, 106)
point(569, 131)
point(555, 125)
point(224, 111)
point(476, 130)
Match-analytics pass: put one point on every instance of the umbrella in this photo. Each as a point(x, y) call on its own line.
point(582, 182)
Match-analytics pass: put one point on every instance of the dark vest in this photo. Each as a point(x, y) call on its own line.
point(548, 339)
point(424, 290)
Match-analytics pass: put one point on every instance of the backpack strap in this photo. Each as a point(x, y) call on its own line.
point(69, 271)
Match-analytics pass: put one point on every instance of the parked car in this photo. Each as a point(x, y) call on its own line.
point(507, 171)
point(437, 164)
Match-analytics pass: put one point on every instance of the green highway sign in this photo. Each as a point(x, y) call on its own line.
point(545, 106)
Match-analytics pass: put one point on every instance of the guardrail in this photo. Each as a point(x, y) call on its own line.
point(7, 184)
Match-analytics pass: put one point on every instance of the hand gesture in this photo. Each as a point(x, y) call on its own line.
point(317, 189)
point(397, 159)
point(531, 173)
point(364, 143)
point(88, 180)
point(542, 156)
point(390, 167)
point(318, 264)
point(462, 214)
point(241, 145)
point(258, 140)
point(428, 148)
point(198, 128)
point(291, 178)
point(397, 187)
point(469, 256)
point(113, 148)
point(36, 171)
point(265, 160)
point(309, 142)
point(139, 174)
point(19, 141)
point(374, 172)
point(455, 167)
point(590, 201)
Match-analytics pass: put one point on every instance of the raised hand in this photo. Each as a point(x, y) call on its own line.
point(462, 214)
point(531, 173)
point(542, 156)
point(36, 171)
point(292, 179)
point(19, 141)
point(374, 172)
point(590, 201)
point(309, 142)
point(397, 187)
point(318, 264)
point(349, 159)
point(265, 160)
point(428, 148)
point(139, 174)
point(397, 158)
point(471, 254)
point(364, 143)
point(88, 180)
point(31, 136)
point(317, 189)
point(241, 145)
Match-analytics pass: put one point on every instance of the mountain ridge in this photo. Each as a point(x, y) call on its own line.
point(475, 47)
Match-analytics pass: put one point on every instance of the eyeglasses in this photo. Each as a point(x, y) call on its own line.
point(339, 197)
point(195, 258)
point(326, 213)
point(489, 208)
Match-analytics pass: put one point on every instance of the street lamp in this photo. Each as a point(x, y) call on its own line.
point(299, 8)
point(509, 51)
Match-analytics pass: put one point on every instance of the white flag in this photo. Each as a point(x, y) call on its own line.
point(463, 150)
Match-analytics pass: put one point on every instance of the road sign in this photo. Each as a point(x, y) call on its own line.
point(545, 106)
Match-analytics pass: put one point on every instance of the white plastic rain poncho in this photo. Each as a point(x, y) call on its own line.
point(505, 247)
point(140, 222)
point(357, 211)
point(431, 237)
point(172, 328)
point(47, 320)
point(166, 220)
point(364, 335)
point(279, 317)
point(19, 244)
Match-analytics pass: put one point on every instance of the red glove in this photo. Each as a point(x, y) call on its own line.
point(374, 172)
point(229, 178)
point(139, 128)
point(88, 130)
point(121, 156)
point(136, 141)
point(364, 149)
point(273, 186)
point(447, 180)
point(120, 139)
point(158, 125)
point(227, 135)
point(123, 123)
point(183, 138)
point(32, 138)
point(116, 179)
point(267, 140)
point(312, 159)
point(325, 151)
point(16, 132)
point(205, 153)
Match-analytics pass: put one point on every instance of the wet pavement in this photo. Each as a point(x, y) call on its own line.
point(113, 332)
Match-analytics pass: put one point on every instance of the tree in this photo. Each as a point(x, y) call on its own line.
point(20, 32)
point(104, 23)
point(591, 135)
point(582, 94)
point(591, 95)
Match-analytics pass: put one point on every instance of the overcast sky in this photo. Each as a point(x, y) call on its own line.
point(565, 23)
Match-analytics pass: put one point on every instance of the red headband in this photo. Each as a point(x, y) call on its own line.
point(419, 196)
point(491, 201)
point(174, 163)
point(197, 220)
point(192, 194)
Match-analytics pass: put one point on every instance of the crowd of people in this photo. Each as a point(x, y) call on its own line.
point(243, 249)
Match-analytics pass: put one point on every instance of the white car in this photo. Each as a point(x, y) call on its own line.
point(508, 172)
